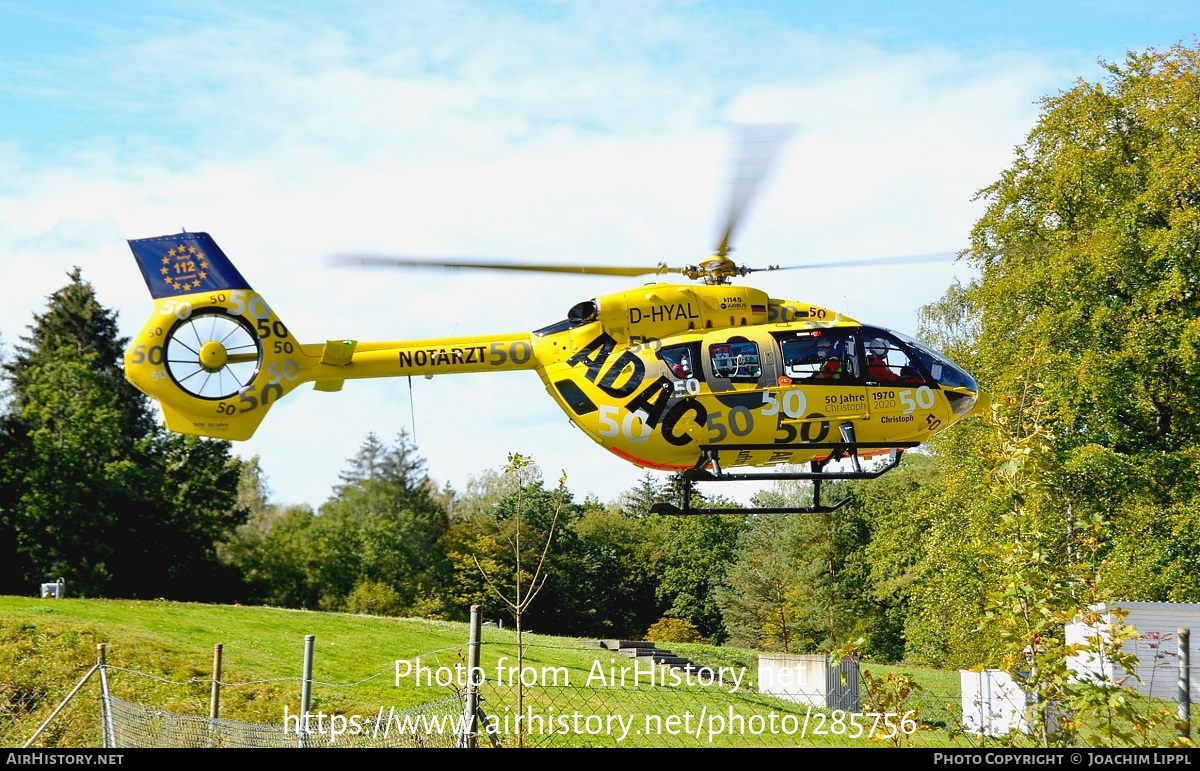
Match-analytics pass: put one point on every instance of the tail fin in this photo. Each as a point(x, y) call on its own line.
point(183, 264)
point(213, 353)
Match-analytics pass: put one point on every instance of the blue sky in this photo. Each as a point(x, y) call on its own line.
point(544, 131)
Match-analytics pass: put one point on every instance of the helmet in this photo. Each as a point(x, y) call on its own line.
point(877, 347)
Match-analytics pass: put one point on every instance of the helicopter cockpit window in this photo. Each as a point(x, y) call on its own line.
point(941, 369)
point(820, 356)
point(888, 363)
point(736, 360)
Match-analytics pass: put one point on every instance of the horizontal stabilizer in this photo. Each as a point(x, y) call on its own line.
point(338, 353)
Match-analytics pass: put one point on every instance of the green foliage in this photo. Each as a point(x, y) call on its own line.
point(1044, 585)
point(381, 528)
point(529, 574)
point(602, 572)
point(77, 327)
point(892, 693)
point(696, 550)
point(512, 553)
point(673, 630)
point(499, 538)
point(271, 552)
point(90, 489)
point(1035, 596)
point(172, 547)
point(386, 475)
point(68, 472)
point(803, 583)
point(761, 597)
point(1087, 251)
point(637, 501)
point(615, 573)
point(374, 598)
point(1085, 309)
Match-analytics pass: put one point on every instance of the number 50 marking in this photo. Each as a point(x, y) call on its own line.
point(793, 403)
point(924, 399)
point(609, 427)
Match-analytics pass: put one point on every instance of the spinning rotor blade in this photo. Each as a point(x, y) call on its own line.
point(904, 259)
point(758, 147)
point(374, 261)
point(714, 270)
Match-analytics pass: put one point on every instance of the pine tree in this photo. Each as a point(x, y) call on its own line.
point(76, 321)
point(398, 469)
point(380, 529)
point(91, 489)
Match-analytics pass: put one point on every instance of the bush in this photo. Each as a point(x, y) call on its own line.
point(373, 598)
point(673, 630)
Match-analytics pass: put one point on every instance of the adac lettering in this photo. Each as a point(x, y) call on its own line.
point(624, 375)
point(667, 312)
point(628, 366)
point(676, 413)
point(594, 354)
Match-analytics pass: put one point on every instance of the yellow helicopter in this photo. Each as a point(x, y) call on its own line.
point(695, 379)
point(714, 380)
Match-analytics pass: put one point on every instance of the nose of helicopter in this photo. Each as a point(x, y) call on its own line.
point(983, 405)
point(963, 393)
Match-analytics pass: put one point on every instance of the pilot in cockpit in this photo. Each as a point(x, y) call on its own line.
point(833, 355)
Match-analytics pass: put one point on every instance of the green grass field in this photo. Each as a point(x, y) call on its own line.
point(160, 655)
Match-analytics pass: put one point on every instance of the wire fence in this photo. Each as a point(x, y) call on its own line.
point(134, 726)
point(654, 714)
point(646, 715)
point(646, 698)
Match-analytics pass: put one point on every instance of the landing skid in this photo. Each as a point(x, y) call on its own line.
point(708, 469)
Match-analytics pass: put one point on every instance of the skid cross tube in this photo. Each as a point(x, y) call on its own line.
point(708, 469)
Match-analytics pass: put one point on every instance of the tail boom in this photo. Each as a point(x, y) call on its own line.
point(216, 357)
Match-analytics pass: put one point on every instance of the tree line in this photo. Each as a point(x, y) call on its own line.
point(1083, 327)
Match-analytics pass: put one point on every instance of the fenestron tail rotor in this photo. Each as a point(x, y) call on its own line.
point(212, 355)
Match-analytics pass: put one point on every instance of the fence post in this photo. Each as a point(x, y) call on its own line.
point(471, 704)
point(214, 702)
point(306, 689)
point(1185, 685)
point(110, 739)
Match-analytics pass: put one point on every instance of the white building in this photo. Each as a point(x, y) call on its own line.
point(1156, 647)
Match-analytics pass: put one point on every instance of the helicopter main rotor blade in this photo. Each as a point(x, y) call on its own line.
point(758, 147)
point(375, 261)
point(904, 259)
